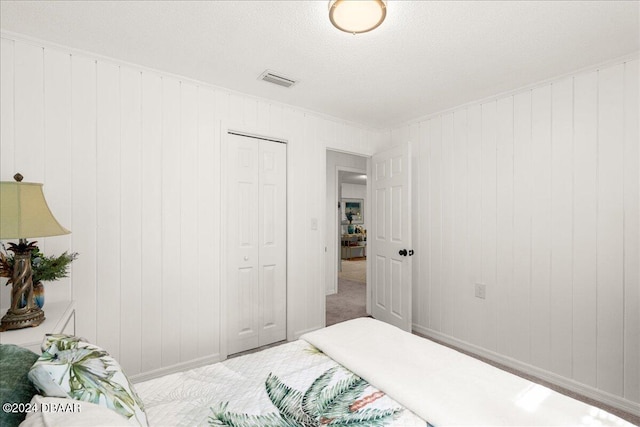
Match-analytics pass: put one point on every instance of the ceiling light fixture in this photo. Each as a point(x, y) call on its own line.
point(357, 16)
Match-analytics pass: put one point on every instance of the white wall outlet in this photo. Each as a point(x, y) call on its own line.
point(481, 290)
point(314, 223)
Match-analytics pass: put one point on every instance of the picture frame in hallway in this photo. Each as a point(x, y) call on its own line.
point(356, 208)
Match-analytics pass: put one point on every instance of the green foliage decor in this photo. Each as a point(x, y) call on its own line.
point(44, 268)
point(49, 268)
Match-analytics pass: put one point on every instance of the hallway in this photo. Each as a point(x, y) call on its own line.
point(350, 301)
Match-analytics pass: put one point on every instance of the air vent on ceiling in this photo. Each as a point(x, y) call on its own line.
point(271, 77)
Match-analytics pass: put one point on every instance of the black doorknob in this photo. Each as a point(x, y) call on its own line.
point(403, 252)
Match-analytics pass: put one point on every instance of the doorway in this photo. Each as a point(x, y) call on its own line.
point(347, 219)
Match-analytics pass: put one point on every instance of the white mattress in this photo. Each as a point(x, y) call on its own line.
point(446, 387)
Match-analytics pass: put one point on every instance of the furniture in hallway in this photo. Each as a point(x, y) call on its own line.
point(353, 246)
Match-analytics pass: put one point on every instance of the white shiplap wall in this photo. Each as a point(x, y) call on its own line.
point(535, 195)
point(129, 158)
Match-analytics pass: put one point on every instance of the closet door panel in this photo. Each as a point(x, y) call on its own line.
point(273, 241)
point(243, 251)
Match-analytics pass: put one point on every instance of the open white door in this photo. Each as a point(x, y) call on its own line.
point(390, 237)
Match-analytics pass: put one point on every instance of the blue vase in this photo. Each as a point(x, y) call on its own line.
point(351, 229)
point(38, 296)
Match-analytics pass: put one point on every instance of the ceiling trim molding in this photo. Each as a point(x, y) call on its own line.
point(41, 43)
point(594, 67)
point(95, 56)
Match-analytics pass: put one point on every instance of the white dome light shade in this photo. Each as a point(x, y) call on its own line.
point(357, 16)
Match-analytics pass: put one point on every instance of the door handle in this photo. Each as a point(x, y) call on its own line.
point(403, 252)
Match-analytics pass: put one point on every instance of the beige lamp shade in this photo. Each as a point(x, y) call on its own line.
point(24, 212)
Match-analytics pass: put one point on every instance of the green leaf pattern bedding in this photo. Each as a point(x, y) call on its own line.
point(338, 403)
point(293, 384)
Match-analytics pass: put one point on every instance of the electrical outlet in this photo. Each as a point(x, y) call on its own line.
point(481, 290)
point(314, 223)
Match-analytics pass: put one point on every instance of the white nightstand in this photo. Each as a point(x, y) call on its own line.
point(60, 318)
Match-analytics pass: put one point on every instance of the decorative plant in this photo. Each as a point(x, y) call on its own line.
point(43, 268)
point(349, 216)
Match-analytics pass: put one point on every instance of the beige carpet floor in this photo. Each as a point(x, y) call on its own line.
point(354, 270)
point(349, 303)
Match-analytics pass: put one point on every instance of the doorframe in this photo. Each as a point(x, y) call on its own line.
point(261, 133)
point(334, 270)
point(337, 221)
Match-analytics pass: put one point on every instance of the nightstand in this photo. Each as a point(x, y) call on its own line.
point(60, 318)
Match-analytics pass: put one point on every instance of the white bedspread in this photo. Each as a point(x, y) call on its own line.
point(444, 386)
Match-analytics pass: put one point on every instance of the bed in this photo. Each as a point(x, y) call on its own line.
point(357, 373)
point(292, 384)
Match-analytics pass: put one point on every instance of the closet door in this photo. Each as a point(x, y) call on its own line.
point(256, 240)
point(272, 240)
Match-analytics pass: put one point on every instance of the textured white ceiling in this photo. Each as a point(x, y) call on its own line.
point(345, 177)
point(426, 57)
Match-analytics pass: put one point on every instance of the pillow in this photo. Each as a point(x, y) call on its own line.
point(87, 414)
point(15, 387)
point(71, 367)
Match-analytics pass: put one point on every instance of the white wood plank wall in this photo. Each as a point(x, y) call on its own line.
point(536, 195)
point(129, 158)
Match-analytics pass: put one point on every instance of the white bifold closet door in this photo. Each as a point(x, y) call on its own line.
point(256, 241)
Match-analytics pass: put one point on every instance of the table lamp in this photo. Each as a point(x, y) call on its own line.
point(24, 213)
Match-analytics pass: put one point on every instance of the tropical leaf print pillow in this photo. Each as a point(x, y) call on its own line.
point(70, 367)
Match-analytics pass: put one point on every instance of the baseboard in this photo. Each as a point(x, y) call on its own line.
point(542, 374)
point(178, 367)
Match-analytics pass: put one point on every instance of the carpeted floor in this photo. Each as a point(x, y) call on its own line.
point(348, 303)
point(354, 269)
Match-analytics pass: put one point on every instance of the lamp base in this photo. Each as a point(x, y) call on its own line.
point(30, 318)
